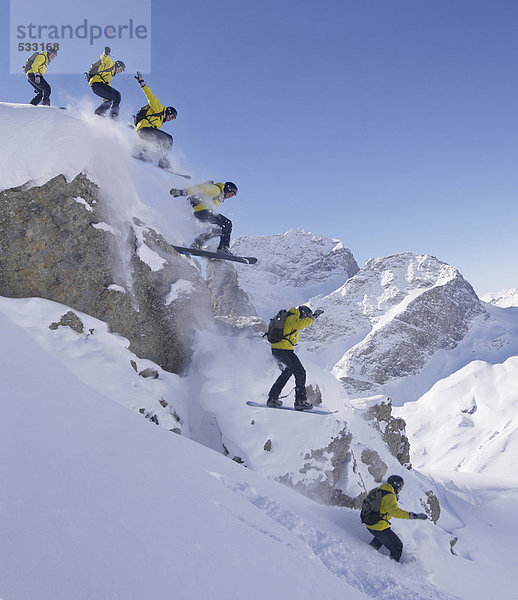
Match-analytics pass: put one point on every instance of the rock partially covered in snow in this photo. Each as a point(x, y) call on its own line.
point(54, 247)
point(227, 297)
point(377, 410)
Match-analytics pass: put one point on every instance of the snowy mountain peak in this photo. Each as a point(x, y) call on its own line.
point(503, 299)
point(298, 258)
point(292, 267)
point(385, 323)
point(385, 281)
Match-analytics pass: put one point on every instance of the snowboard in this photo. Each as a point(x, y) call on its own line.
point(149, 162)
point(247, 260)
point(314, 411)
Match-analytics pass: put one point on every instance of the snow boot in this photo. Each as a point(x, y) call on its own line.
point(303, 405)
point(200, 241)
point(274, 402)
point(164, 163)
point(144, 156)
point(224, 250)
point(301, 400)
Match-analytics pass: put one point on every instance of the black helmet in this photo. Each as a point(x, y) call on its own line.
point(305, 311)
point(396, 481)
point(52, 51)
point(120, 65)
point(230, 188)
point(170, 110)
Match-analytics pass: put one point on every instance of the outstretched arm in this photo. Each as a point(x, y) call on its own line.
point(106, 61)
point(153, 102)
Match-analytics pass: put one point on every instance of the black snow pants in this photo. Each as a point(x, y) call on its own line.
point(42, 89)
point(388, 539)
point(207, 216)
point(160, 140)
point(112, 99)
point(290, 364)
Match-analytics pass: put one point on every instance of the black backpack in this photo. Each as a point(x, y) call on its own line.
point(142, 114)
point(370, 511)
point(29, 61)
point(275, 331)
point(94, 70)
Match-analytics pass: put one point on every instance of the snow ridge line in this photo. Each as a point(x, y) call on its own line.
point(370, 575)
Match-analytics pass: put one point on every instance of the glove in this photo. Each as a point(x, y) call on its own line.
point(37, 78)
point(420, 516)
point(317, 312)
point(107, 50)
point(138, 77)
point(174, 192)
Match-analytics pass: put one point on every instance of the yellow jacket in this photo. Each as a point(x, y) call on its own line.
point(206, 196)
point(106, 71)
point(155, 113)
point(388, 509)
point(39, 64)
point(291, 329)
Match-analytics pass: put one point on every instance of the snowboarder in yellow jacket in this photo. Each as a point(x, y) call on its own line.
point(99, 78)
point(383, 534)
point(205, 199)
point(35, 77)
point(149, 122)
point(289, 363)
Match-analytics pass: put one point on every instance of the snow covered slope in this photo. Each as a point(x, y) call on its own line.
point(98, 502)
point(468, 422)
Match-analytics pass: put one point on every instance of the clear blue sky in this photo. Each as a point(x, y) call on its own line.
point(390, 124)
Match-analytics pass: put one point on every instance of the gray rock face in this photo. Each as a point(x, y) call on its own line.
point(432, 506)
point(57, 243)
point(69, 319)
point(227, 298)
point(324, 468)
point(376, 467)
point(378, 412)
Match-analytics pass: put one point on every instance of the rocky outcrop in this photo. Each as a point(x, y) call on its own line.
point(377, 411)
point(69, 319)
point(58, 242)
point(432, 506)
point(376, 467)
point(227, 297)
point(322, 469)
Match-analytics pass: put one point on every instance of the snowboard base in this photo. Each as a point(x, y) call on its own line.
point(247, 260)
point(314, 411)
